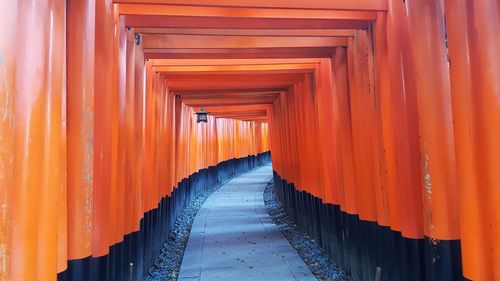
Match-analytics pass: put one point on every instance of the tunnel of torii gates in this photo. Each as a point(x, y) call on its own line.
point(382, 116)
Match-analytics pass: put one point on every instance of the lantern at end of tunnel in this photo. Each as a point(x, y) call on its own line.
point(201, 116)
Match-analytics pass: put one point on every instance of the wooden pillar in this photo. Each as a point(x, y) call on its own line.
point(37, 139)
point(437, 147)
point(104, 88)
point(8, 33)
point(80, 134)
point(474, 46)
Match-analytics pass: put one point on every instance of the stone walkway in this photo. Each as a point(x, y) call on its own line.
point(233, 238)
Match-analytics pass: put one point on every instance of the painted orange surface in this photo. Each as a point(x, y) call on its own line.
point(245, 12)
point(320, 4)
point(80, 132)
point(363, 104)
point(33, 140)
point(474, 58)
point(82, 144)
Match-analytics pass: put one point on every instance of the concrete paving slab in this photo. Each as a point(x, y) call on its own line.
point(233, 237)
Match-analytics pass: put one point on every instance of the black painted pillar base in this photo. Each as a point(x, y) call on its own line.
point(131, 259)
point(359, 246)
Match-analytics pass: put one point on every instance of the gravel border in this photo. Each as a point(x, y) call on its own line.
point(311, 253)
point(168, 264)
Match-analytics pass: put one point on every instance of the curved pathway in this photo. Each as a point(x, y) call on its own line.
point(233, 237)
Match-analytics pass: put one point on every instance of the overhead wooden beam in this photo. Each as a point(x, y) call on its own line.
point(239, 108)
point(373, 5)
point(239, 114)
point(256, 119)
point(229, 97)
point(235, 79)
point(214, 85)
point(213, 62)
point(250, 32)
point(264, 53)
point(244, 12)
point(231, 111)
point(248, 91)
point(230, 69)
point(158, 41)
point(214, 100)
point(243, 117)
point(145, 21)
point(214, 82)
point(227, 101)
point(236, 111)
point(246, 50)
point(270, 96)
point(221, 108)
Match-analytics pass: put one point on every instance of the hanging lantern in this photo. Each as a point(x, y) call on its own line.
point(202, 116)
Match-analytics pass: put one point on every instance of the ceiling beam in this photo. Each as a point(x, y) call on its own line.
point(221, 108)
point(250, 32)
point(230, 91)
point(234, 69)
point(212, 62)
point(256, 119)
point(230, 110)
point(234, 81)
point(244, 12)
point(214, 100)
point(271, 96)
point(263, 53)
point(373, 5)
point(145, 21)
point(239, 114)
point(159, 41)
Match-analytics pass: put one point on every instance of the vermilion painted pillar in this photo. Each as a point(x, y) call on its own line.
point(308, 138)
point(138, 97)
point(80, 131)
point(39, 159)
point(52, 211)
point(328, 127)
point(474, 46)
point(400, 125)
point(116, 82)
point(400, 141)
point(368, 153)
point(171, 141)
point(390, 119)
point(345, 130)
point(387, 119)
point(364, 125)
point(313, 141)
point(122, 146)
point(105, 85)
point(406, 212)
point(8, 33)
point(292, 112)
point(127, 153)
point(437, 148)
point(149, 140)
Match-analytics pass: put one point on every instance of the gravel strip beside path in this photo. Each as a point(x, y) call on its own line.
point(168, 263)
point(312, 254)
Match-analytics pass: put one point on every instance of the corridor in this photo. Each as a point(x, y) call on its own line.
point(381, 119)
point(233, 237)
